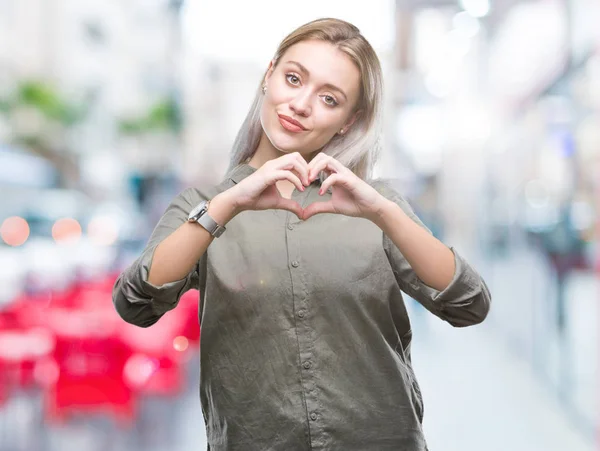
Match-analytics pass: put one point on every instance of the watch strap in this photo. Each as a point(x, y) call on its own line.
point(200, 215)
point(211, 225)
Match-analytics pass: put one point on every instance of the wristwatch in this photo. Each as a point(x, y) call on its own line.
point(199, 214)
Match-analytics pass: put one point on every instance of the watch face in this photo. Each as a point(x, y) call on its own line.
point(196, 210)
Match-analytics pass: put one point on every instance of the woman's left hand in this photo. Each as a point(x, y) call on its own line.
point(351, 196)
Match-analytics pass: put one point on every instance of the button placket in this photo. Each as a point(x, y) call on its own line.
point(304, 331)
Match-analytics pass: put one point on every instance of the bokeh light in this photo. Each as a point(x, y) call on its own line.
point(14, 231)
point(139, 369)
point(46, 372)
point(102, 230)
point(66, 229)
point(180, 343)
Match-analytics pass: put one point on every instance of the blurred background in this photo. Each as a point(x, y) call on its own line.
point(109, 108)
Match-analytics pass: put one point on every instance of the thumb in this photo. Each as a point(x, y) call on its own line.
point(291, 205)
point(318, 207)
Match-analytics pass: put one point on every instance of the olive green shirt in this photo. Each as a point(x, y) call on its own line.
point(305, 335)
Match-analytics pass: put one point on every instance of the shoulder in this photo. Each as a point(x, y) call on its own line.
point(391, 189)
point(388, 188)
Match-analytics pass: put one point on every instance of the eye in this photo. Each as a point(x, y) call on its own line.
point(330, 100)
point(294, 80)
point(293, 76)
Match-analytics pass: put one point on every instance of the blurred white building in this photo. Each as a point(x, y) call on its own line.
point(123, 56)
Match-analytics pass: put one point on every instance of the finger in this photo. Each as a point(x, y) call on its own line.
point(335, 165)
point(327, 164)
point(317, 157)
point(317, 208)
point(291, 205)
point(312, 173)
point(329, 181)
point(299, 165)
point(288, 175)
point(300, 158)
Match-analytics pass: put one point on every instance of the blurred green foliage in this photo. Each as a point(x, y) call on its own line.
point(162, 116)
point(44, 98)
point(59, 113)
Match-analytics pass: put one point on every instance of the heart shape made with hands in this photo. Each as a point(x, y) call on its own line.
point(350, 195)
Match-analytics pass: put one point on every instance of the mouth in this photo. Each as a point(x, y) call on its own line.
point(290, 124)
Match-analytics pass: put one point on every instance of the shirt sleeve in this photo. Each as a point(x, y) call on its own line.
point(464, 302)
point(138, 301)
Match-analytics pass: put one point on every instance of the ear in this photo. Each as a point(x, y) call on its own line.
point(270, 70)
point(352, 119)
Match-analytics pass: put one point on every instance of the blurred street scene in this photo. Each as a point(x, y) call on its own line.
point(109, 108)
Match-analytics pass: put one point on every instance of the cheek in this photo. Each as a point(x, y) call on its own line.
point(278, 92)
point(267, 119)
point(322, 134)
point(327, 123)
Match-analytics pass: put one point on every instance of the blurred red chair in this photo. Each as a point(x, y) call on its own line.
point(98, 362)
point(90, 359)
point(21, 349)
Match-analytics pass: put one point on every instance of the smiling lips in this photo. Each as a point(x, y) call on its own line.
point(290, 124)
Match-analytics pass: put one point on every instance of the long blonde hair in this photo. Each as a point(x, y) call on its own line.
point(360, 147)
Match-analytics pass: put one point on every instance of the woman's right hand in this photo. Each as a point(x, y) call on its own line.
point(259, 191)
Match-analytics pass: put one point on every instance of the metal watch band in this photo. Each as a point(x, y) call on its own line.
point(200, 215)
point(210, 224)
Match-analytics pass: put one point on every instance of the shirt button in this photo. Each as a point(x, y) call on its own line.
point(307, 364)
point(290, 227)
point(301, 314)
point(295, 264)
point(313, 416)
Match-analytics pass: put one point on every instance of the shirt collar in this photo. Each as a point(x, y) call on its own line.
point(240, 172)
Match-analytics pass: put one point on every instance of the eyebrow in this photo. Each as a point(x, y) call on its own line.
point(327, 85)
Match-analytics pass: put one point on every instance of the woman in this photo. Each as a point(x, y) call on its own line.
point(305, 336)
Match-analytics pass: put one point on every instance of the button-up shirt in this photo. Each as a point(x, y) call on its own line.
point(305, 335)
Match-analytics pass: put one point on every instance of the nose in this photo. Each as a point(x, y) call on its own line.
point(301, 104)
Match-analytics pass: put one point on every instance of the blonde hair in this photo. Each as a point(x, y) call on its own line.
point(360, 147)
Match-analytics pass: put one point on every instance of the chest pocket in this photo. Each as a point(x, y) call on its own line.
point(342, 250)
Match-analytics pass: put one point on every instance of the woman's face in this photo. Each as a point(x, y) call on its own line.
point(316, 85)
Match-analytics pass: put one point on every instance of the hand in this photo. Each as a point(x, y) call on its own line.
point(259, 190)
point(351, 196)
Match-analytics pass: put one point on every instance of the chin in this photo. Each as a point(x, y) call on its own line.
point(283, 142)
